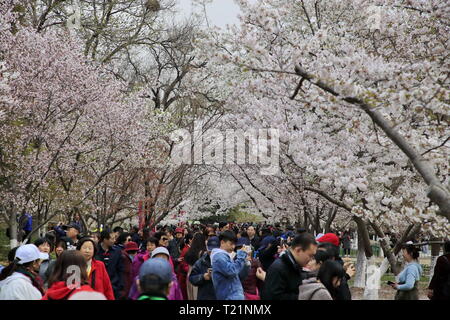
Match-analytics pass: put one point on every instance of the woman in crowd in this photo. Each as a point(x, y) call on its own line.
point(20, 280)
point(196, 249)
point(46, 246)
point(325, 286)
point(65, 266)
point(96, 270)
point(409, 278)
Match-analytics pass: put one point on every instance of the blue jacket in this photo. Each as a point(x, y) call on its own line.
point(225, 274)
point(205, 288)
point(408, 277)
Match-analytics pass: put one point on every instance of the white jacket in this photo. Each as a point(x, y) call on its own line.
point(18, 287)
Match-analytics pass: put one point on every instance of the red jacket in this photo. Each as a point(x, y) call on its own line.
point(60, 291)
point(99, 279)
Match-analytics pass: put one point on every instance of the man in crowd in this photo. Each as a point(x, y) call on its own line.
point(155, 279)
point(225, 270)
point(112, 258)
point(285, 275)
point(254, 239)
point(201, 274)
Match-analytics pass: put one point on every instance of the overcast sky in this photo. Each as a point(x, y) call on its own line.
point(220, 12)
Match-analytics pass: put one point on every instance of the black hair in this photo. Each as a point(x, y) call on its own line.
point(265, 232)
point(330, 248)
point(228, 235)
point(104, 235)
point(122, 237)
point(118, 229)
point(150, 285)
point(327, 271)
point(187, 238)
point(86, 239)
point(322, 256)
point(43, 240)
point(159, 235)
point(447, 246)
point(301, 230)
point(197, 248)
point(66, 260)
point(222, 224)
point(12, 254)
point(152, 240)
point(304, 241)
point(412, 250)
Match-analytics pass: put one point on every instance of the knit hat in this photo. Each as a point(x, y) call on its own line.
point(131, 246)
point(330, 238)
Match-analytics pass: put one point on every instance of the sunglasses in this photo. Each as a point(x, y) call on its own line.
point(164, 239)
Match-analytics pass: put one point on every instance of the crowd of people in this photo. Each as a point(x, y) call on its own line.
point(198, 262)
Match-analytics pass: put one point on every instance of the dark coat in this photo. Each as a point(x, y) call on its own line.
point(205, 287)
point(283, 279)
point(114, 266)
point(440, 277)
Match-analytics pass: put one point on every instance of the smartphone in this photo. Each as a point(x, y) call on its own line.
point(390, 282)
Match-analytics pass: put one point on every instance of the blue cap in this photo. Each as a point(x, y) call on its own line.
point(158, 267)
point(213, 243)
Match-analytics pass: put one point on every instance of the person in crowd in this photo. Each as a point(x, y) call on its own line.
point(182, 268)
point(346, 243)
point(252, 283)
point(201, 273)
point(254, 239)
point(25, 225)
point(408, 279)
point(97, 274)
point(136, 235)
point(60, 247)
point(313, 266)
point(117, 231)
point(268, 248)
point(285, 275)
point(175, 245)
point(20, 280)
point(68, 263)
point(223, 226)
point(196, 250)
point(330, 243)
point(128, 254)
point(79, 222)
point(175, 290)
point(439, 287)
point(112, 258)
point(225, 270)
point(325, 286)
point(141, 257)
point(71, 231)
point(122, 240)
point(44, 245)
point(155, 279)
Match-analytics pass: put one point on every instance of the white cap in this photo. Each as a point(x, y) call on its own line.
point(160, 250)
point(28, 253)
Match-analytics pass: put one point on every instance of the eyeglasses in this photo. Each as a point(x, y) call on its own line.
point(211, 235)
point(164, 239)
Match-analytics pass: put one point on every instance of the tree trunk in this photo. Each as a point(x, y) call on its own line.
point(362, 230)
point(361, 265)
point(13, 228)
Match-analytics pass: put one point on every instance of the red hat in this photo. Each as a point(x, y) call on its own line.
point(179, 230)
point(329, 237)
point(131, 246)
